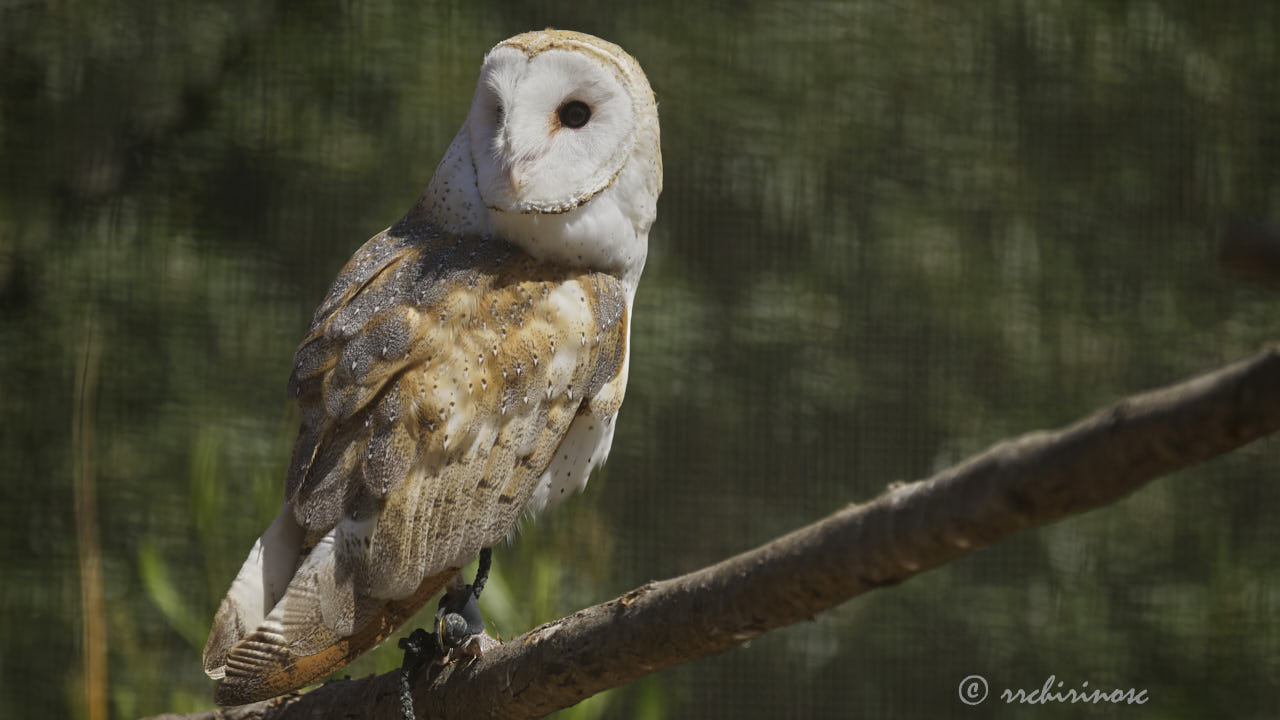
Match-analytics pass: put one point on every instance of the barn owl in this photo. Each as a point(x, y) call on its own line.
point(465, 368)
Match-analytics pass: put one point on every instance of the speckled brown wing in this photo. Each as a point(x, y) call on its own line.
point(439, 379)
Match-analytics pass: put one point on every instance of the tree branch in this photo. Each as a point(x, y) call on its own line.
point(1033, 480)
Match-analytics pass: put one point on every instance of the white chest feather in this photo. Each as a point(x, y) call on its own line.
point(585, 447)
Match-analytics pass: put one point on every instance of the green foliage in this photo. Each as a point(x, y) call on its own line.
point(891, 234)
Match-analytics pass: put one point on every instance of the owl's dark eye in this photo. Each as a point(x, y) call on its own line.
point(574, 114)
point(498, 113)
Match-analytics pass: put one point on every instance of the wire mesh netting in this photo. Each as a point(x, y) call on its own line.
point(891, 234)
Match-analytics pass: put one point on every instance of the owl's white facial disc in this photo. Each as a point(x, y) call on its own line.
point(548, 132)
point(560, 155)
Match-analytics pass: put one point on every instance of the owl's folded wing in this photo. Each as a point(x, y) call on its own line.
point(446, 381)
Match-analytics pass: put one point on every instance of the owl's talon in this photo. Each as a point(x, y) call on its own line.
point(476, 646)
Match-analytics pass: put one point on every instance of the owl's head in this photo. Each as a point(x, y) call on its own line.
point(562, 145)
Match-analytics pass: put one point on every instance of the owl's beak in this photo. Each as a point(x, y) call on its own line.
point(518, 174)
point(510, 181)
point(520, 181)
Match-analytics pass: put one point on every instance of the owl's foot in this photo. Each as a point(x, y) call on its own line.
point(459, 625)
point(459, 633)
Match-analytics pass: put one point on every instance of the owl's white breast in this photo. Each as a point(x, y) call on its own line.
point(608, 233)
point(585, 447)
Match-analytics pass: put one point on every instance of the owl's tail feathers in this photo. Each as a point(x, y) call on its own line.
point(258, 586)
point(320, 622)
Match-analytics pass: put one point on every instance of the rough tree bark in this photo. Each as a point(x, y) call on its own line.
point(1032, 480)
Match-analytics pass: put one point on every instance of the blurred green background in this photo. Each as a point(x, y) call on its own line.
point(892, 234)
